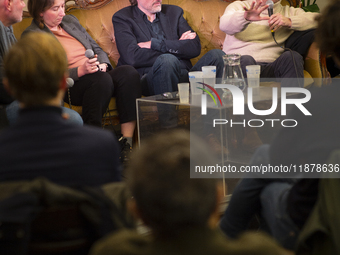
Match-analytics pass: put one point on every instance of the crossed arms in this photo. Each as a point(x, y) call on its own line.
point(135, 43)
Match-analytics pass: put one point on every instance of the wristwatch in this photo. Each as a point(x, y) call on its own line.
point(107, 66)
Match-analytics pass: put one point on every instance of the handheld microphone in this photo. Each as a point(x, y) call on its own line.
point(69, 82)
point(270, 7)
point(89, 53)
point(270, 11)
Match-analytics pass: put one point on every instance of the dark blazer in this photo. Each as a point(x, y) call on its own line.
point(72, 26)
point(130, 29)
point(42, 143)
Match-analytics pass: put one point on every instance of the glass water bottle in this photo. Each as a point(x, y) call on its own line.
point(232, 72)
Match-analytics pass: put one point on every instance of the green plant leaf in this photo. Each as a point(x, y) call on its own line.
point(311, 8)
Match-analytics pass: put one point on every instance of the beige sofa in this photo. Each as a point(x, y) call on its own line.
point(202, 15)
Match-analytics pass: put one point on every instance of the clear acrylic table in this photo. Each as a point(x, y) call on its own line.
point(233, 139)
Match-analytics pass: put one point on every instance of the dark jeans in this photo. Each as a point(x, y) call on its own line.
point(265, 197)
point(166, 72)
point(12, 113)
point(275, 215)
point(94, 91)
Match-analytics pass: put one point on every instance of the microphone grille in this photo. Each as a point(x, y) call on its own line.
point(270, 3)
point(69, 82)
point(89, 53)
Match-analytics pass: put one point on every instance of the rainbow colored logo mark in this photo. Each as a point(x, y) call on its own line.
point(208, 92)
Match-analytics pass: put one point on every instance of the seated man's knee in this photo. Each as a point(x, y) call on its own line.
point(298, 58)
point(216, 53)
point(292, 56)
point(214, 58)
point(247, 60)
point(293, 64)
point(167, 61)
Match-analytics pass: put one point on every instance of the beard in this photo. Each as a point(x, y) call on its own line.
point(157, 9)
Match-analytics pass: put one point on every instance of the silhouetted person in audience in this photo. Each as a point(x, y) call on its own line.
point(181, 212)
point(285, 203)
point(321, 232)
point(41, 142)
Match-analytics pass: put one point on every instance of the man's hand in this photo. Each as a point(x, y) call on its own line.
point(277, 20)
point(146, 45)
point(253, 13)
point(188, 35)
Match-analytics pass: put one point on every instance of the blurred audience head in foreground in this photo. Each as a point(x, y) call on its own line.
point(165, 197)
point(182, 212)
point(41, 142)
point(34, 61)
point(328, 31)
